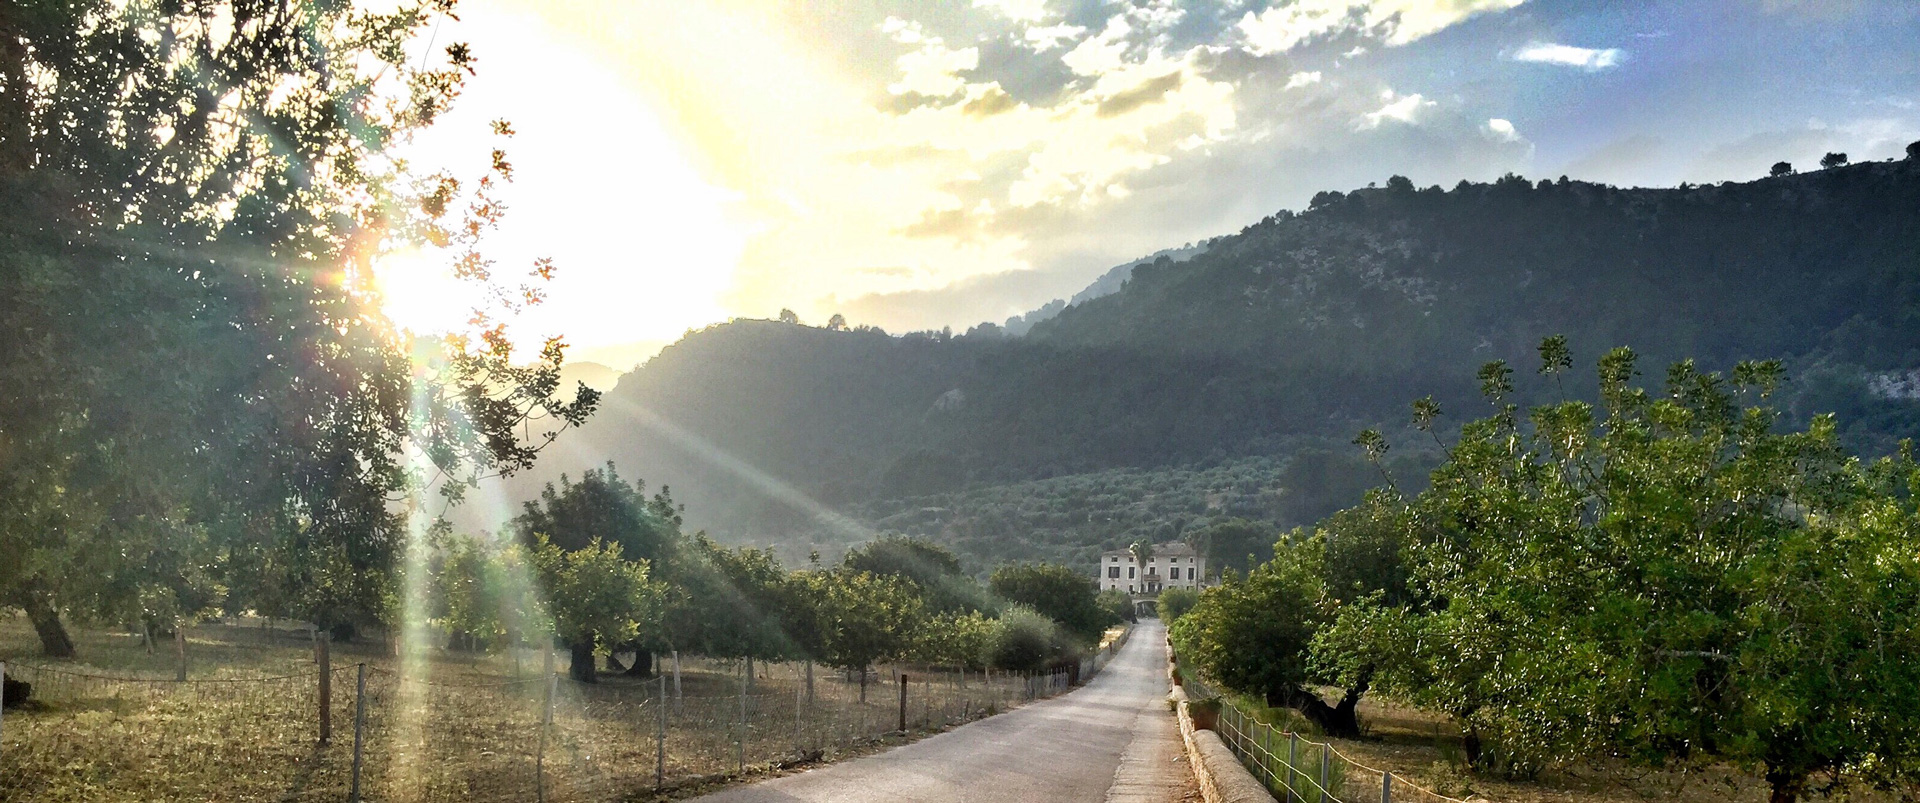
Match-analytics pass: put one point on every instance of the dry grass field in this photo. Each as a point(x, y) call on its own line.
point(113, 726)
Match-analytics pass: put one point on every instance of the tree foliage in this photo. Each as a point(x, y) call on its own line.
point(1057, 592)
point(1636, 578)
point(199, 397)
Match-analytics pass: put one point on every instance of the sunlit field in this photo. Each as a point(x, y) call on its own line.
point(117, 727)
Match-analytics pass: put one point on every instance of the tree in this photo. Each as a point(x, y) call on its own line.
point(1057, 592)
point(1833, 160)
point(930, 567)
point(1781, 169)
point(955, 639)
point(1627, 580)
point(1142, 552)
point(597, 599)
point(603, 507)
point(864, 618)
point(1117, 604)
point(1913, 151)
point(1238, 544)
point(1175, 602)
point(1025, 640)
point(728, 603)
point(204, 203)
point(787, 316)
point(1253, 633)
point(837, 323)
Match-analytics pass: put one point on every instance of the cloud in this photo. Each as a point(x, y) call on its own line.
point(1502, 130)
point(1302, 79)
point(1398, 108)
point(1147, 92)
point(1016, 10)
point(990, 101)
point(932, 69)
point(1589, 59)
point(1042, 38)
point(1287, 25)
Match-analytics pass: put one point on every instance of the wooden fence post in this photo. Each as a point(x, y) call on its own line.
point(359, 729)
point(660, 737)
point(1326, 771)
point(325, 656)
point(180, 651)
point(903, 702)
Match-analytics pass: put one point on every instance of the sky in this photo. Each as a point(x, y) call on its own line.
point(942, 163)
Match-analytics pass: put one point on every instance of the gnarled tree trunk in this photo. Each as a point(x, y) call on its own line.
point(581, 668)
point(642, 664)
point(1339, 720)
point(54, 640)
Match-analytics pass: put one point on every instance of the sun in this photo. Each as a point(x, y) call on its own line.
point(420, 294)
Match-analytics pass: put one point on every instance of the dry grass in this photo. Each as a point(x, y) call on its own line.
point(471, 731)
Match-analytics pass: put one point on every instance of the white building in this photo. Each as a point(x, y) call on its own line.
point(1171, 565)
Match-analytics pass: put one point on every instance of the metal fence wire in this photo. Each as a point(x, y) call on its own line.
point(398, 738)
point(1297, 769)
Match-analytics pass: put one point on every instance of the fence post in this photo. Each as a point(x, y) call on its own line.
point(1326, 771)
point(660, 738)
point(1266, 750)
point(676, 681)
point(546, 724)
point(1386, 787)
point(740, 743)
point(3, 704)
point(903, 702)
point(359, 728)
point(809, 681)
point(180, 651)
point(1293, 762)
point(320, 646)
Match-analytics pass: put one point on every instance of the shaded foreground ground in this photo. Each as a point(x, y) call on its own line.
point(455, 727)
point(1114, 735)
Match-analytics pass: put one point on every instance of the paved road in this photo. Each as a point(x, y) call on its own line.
point(1112, 739)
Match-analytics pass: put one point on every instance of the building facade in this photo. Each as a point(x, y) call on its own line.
point(1171, 565)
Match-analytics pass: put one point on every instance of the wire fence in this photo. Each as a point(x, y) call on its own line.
point(364, 733)
point(1297, 769)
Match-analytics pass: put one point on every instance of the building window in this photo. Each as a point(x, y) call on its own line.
point(1129, 588)
point(1129, 572)
point(1113, 571)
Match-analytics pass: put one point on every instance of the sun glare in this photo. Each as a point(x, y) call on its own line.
point(419, 293)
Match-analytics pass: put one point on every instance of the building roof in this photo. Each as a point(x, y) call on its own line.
point(1170, 549)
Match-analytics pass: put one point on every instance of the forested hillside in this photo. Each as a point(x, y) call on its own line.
point(1295, 333)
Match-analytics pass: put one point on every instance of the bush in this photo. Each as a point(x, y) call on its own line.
point(1175, 602)
point(1023, 640)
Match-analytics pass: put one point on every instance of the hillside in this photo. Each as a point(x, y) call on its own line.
point(1294, 333)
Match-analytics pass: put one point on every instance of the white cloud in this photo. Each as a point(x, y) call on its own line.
point(1043, 38)
point(1301, 79)
point(1589, 59)
point(1282, 28)
point(1397, 108)
point(933, 69)
point(1102, 53)
point(1291, 23)
point(1016, 10)
point(1502, 130)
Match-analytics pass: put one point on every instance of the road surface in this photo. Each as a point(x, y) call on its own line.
point(1111, 740)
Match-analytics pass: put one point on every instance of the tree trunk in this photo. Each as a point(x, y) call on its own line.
point(54, 641)
point(642, 664)
point(1787, 785)
point(863, 684)
point(1470, 745)
point(581, 668)
point(1334, 720)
